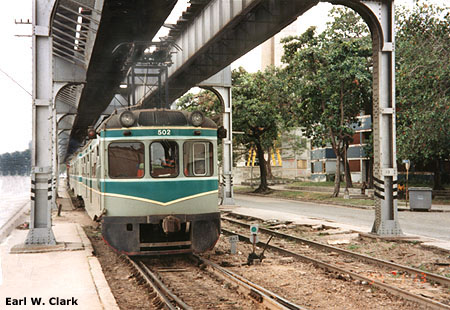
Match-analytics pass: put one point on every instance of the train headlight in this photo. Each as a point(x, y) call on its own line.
point(92, 134)
point(196, 118)
point(127, 118)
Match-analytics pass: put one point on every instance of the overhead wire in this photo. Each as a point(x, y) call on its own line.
point(17, 83)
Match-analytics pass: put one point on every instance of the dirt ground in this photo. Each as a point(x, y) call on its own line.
point(127, 291)
point(305, 284)
point(302, 283)
point(408, 252)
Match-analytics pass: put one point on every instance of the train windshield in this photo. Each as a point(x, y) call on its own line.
point(164, 159)
point(126, 160)
point(198, 158)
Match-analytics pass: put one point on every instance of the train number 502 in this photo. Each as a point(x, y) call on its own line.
point(164, 132)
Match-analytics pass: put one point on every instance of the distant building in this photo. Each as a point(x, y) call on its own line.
point(272, 49)
point(323, 160)
point(296, 162)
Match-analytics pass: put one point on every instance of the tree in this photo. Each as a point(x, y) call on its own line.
point(204, 101)
point(331, 80)
point(17, 163)
point(423, 86)
point(261, 110)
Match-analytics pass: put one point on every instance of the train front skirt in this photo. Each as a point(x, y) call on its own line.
point(162, 234)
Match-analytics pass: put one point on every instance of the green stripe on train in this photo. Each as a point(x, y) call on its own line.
point(154, 132)
point(161, 191)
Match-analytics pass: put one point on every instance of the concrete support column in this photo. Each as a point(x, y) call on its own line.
point(227, 147)
point(220, 85)
point(41, 175)
point(382, 25)
point(55, 169)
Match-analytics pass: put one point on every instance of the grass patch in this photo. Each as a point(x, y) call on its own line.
point(353, 247)
point(402, 202)
point(309, 196)
point(441, 201)
point(355, 202)
point(423, 268)
point(327, 183)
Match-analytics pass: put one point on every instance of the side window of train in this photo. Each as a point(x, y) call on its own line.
point(94, 163)
point(126, 160)
point(164, 159)
point(84, 167)
point(198, 159)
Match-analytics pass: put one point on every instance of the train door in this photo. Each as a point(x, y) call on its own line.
point(90, 176)
point(96, 176)
point(100, 174)
point(85, 176)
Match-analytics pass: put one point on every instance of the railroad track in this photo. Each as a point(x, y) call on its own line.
point(197, 283)
point(341, 255)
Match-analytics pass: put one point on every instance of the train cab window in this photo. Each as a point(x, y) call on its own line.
point(126, 160)
point(198, 158)
point(164, 159)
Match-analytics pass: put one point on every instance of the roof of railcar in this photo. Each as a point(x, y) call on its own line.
point(158, 117)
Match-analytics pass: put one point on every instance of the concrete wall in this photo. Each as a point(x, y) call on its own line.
point(244, 174)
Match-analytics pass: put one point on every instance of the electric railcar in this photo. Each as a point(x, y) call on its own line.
point(150, 177)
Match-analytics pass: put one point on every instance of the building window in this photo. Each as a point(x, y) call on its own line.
point(126, 160)
point(164, 159)
point(198, 159)
point(355, 165)
point(301, 164)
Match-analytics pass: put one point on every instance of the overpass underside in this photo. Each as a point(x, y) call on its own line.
point(99, 37)
point(221, 33)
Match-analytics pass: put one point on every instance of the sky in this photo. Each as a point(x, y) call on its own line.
point(15, 61)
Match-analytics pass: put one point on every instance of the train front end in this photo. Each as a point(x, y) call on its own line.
point(160, 183)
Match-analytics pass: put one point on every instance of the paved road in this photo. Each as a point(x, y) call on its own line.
point(429, 224)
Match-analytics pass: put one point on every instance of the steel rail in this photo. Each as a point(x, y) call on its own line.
point(159, 288)
point(264, 296)
point(269, 299)
point(179, 302)
point(413, 271)
point(393, 290)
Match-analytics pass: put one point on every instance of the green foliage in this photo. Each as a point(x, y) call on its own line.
point(297, 143)
point(262, 110)
point(330, 78)
point(17, 163)
point(204, 101)
point(330, 75)
point(423, 84)
point(354, 247)
point(258, 107)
